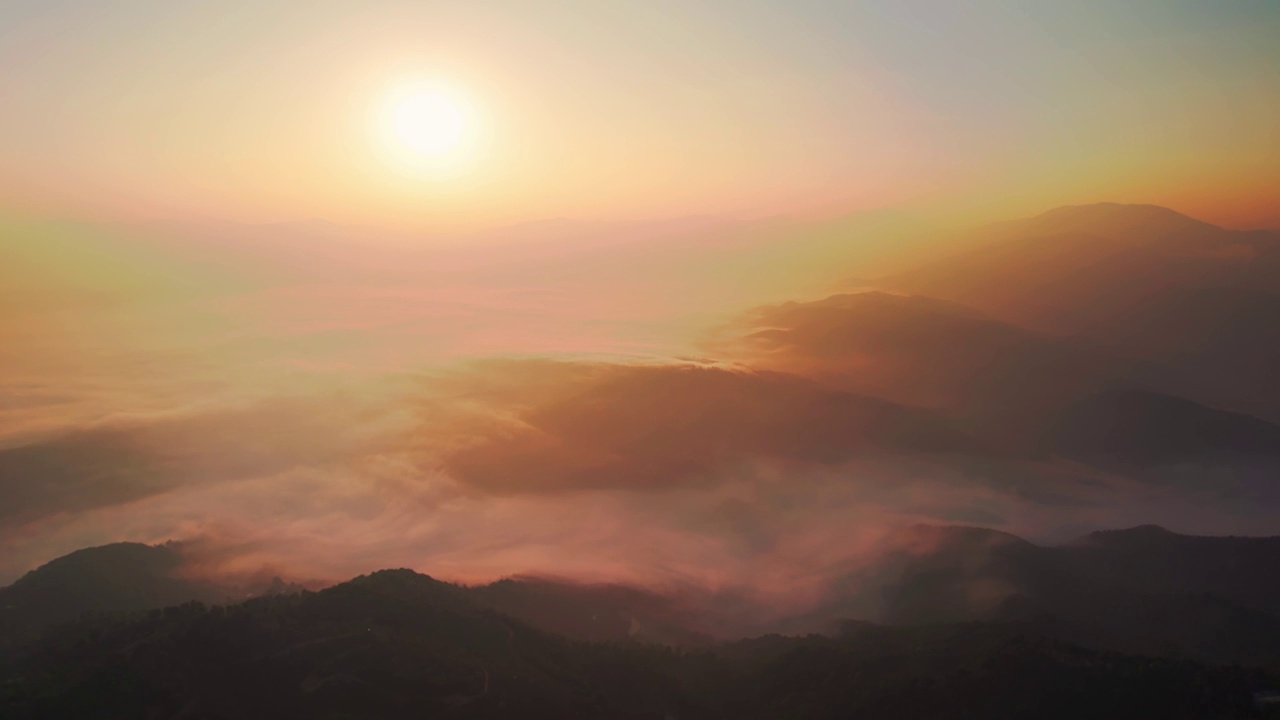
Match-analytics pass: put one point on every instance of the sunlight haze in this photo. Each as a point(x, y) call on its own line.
point(639, 359)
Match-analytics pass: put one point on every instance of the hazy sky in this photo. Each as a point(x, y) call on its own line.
point(603, 110)
point(225, 315)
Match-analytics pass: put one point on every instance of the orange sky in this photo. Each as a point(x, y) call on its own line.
point(638, 111)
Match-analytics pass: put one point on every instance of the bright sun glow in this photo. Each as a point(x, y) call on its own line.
point(425, 122)
point(428, 123)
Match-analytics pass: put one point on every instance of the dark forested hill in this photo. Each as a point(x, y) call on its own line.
point(598, 612)
point(120, 577)
point(396, 644)
point(1143, 590)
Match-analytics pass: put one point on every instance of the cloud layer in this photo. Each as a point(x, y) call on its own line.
point(771, 469)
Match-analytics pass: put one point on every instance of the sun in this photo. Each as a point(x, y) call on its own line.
point(425, 122)
point(428, 123)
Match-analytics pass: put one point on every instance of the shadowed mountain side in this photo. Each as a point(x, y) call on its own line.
point(1144, 590)
point(1220, 344)
point(1071, 268)
point(396, 644)
point(1153, 559)
point(659, 426)
point(926, 352)
point(1191, 300)
point(1024, 392)
point(1223, 320)
point(1130, 429)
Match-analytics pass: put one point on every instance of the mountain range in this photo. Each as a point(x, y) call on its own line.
point(397, 644)
point(1143, 590)
point(1122, 346)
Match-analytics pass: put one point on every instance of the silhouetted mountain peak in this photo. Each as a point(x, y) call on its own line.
point(122, 577)
point(1074, 268)
point(1113, 209)
point(878, 299)
point(401, 582)
point(127, 559)
point(953, 535)
point(1139, 536)
point(1109, 217)
point(1149, 530)
point(401, 576)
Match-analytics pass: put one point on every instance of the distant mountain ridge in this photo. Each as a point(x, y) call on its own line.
point(1189, 297)
point(396, 644)
point(1143, 589)
point(1131, 427)
point(1072, 263)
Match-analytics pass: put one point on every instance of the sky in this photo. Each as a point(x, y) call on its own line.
point(678, 292)
point(265, 112)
